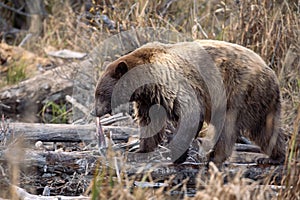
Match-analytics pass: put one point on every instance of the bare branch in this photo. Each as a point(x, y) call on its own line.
point(15, 10)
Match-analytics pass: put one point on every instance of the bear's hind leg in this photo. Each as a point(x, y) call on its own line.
point(270, 138)
point(225, 141)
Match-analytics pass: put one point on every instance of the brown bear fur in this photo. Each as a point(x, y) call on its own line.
point(252, 91)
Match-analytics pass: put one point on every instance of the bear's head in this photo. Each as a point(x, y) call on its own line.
point(105, 86)
point(114, 71)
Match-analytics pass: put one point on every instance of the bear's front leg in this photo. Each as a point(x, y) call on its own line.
point(152, 122)
point(148, 144)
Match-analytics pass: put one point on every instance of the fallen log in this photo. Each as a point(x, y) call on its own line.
point(66, 132)
point(66, 173)
point(55, 163)
point(26, 98)
point(161, 172)
point(79, 133)
point(245, 157)
point(23, 194)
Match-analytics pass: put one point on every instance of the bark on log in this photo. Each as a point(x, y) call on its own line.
point(50, 165)
point(163, 171)
point(246, 157)
point(66, 132)
point(78, 133)
point(53, 164)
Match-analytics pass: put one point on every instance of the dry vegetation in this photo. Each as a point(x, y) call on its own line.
point(269, 27)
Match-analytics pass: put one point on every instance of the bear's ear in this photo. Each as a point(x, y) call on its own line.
point(121, 69)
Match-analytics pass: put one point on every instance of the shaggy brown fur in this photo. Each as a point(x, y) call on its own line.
point(252, 92)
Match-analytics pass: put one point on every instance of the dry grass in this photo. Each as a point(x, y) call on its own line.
point(271, 28)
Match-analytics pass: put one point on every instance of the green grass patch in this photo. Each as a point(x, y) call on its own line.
point(55, 113)
point(16, 72)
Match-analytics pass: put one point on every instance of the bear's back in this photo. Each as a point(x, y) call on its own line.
point(219, 51)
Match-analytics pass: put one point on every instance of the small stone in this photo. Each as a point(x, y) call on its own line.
point(39, 145)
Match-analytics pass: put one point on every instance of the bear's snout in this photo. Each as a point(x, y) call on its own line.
point(101, 110)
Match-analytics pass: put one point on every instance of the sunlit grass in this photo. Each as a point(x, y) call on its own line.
point(16, 72)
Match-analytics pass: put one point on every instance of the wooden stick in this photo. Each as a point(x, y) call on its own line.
point(78, 105)
point(247, 148)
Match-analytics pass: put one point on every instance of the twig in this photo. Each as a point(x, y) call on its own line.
point(166, 7)
point(15, 10)
point(28, 36)
point(75, 103)
point(104, 121)
point(114, 118)
point(276, 46)
point(200, 28)
point(117, 170)
point(4, 106)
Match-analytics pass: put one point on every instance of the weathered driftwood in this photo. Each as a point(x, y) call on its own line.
point(66, 132)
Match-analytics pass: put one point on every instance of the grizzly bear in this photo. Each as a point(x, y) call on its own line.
point(186, 84)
